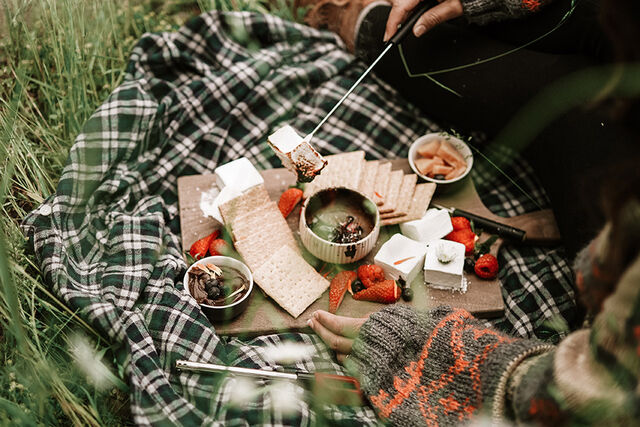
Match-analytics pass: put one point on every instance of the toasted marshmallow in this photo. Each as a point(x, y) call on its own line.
point(296, 154)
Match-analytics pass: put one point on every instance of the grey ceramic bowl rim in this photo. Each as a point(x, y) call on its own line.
point(423, 139)
point(303, 217)
point(212, 259)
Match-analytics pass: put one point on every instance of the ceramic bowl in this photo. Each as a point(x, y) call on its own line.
point(221, 313)
point(342, 202)
point(460, 145)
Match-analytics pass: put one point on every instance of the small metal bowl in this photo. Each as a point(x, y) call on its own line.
point(348, 202)
point(221, 313)
point(460, 145)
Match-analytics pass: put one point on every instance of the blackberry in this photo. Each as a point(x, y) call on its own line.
point(402, 283)
point(407, 294)
point(357, 286)
point(469, 265)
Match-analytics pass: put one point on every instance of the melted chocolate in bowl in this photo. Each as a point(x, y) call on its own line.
point(340, 215)
point(217, 286)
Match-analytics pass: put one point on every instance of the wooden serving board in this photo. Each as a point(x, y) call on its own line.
point(483, 297)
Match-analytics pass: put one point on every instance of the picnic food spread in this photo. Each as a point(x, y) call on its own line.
point(341, 207)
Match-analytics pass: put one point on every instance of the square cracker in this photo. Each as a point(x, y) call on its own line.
point(407, 189)
point(419, 204)
point(265, 218)
point(382, 183)
point(290, 281)
point(248, 201)
point(368, 178)
point(342, 170)
point(391, 198)
point(256, 251)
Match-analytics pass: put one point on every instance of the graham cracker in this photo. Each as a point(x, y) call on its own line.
point(248, 201)
point(407, 189)
point(368, 178)
point(342, 170)
point(256, 250)
point(382, 183)
point(419, 204)
point(393, 190)
point(266, 218)
point(290, 281)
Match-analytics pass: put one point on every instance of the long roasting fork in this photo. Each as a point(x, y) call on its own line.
point(395, 40)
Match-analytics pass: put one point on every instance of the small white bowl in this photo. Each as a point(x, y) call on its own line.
point(220, 313)
point(339, 253)
point(460, 145)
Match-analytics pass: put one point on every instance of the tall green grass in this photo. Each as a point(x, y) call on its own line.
point(59, 59)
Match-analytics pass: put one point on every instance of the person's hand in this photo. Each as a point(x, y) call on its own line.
point(337, 332)
point(400, 10)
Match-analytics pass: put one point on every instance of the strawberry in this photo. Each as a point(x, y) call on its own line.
point(460, 223)
point(199, 249)
point(288, 200)
point(386, 292)
point(370, 274)
point(339, 285)
point(218, 247)
point(486, 266)
point(466, 237)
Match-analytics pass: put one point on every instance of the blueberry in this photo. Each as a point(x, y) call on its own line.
point(210, 283)
point(469, 265)
point(402, 283)
point(357, 286)
point(213, 292)
point(438, 176)
point(407, 294)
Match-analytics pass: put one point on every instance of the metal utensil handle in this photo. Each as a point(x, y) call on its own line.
point(501, 230)
point(185, 365)
point(411, 21)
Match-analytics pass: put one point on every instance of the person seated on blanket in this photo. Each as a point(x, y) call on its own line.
point(463, 42)
point(443, 366)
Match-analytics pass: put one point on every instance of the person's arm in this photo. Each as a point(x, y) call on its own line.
point(475, 11)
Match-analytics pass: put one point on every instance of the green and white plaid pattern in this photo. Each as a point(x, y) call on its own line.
point(108, 240)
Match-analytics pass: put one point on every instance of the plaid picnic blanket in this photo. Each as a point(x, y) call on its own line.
point(108, 240)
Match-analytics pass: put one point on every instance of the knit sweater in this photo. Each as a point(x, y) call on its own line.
point(485, 11)
point(443, 366)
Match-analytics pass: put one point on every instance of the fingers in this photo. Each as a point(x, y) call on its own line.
point(443, 11)
point(338, 343)
point(339, 325)
point(399, 12)
point(438, 14)
point(341, 358)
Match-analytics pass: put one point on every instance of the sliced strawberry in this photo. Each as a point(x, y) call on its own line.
point(199, 249)
point(288, 200)
point(219, 247)
point(386, 292)
point(460, 223)
point(466, 237)
point(338, 287)
point(370, 274)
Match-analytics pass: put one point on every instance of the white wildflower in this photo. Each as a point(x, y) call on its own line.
point(285, 396)
point(89, 362)
point(288, 352)
point(241, 391)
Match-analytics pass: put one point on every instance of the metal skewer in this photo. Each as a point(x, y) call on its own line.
point(396, 39)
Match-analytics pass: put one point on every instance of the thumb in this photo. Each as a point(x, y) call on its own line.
point(437, 15)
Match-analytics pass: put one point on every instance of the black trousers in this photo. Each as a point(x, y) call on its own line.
point(575, 155)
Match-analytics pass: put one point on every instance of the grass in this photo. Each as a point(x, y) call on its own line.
point(59, 59)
